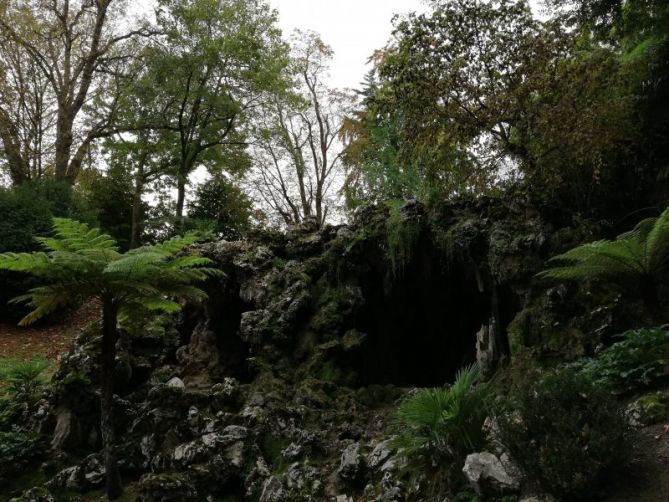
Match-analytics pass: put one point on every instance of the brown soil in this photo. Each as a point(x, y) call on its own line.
point(49, 340)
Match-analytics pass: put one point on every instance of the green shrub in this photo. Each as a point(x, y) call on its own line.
point(17, 450)
point(445, 420)
point(565, 431)
point(637, 361)
point(23, 378)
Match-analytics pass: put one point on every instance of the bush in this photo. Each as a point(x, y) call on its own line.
point(17, 450)
point(636, 361)
point(566, 432)
point(445, 420)
point(23, 378)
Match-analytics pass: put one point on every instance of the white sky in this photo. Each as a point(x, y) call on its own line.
point(353, 28)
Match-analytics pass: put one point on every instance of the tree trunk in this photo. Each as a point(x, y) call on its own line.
point(136, 232)
point(181, 196)
point(651, 299)
point(108, 356)
point(63, 147)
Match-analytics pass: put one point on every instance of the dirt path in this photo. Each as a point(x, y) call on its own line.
point(49, 341)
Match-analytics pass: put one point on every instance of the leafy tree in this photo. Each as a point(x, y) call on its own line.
point(475, 95)
point(225, 205)
point(109, 196)
point(62, 55)
point(81, 264)
point(209, 71)
point(639, 257)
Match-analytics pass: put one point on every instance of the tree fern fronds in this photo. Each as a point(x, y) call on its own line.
point(188, 262)
point(170, 247)
point(657, 242)
point(160, 303)
point(34, 263)
point(639, 256)
point(132, 263)
point(44, 300)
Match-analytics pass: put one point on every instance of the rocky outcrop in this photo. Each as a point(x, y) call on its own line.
point(281, 386)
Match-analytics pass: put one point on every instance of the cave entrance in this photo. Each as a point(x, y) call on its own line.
point(422, 324)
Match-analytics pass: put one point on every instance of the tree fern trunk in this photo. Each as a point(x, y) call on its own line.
point(651, 300)
point(108, 356)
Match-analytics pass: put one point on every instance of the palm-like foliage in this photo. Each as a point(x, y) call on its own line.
point(448, 418)
point(82, 263)
point(79, 264)
point(640, 257)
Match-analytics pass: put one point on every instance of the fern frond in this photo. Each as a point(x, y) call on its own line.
point(182, 262)
point(132, 264)
point(168, 248)
point(657, 242)
point(34, 263)
point(159, 303)
point(44, 300)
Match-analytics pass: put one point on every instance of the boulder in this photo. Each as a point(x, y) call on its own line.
point(176, 383)
point(487, 475)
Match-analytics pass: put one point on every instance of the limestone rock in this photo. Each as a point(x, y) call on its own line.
point(350, 463)
point(274, 491)
point(487, 475)
point(176, 383)
point(379, 455)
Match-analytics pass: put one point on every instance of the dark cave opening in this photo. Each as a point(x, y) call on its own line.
point(422, 323)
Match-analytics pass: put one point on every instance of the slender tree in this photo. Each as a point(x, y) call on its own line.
point(81, 264)
point(298, 155)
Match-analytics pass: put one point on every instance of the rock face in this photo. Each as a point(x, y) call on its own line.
point(487, 475)
point(281, 386)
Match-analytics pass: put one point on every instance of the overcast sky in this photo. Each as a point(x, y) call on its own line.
point(353, 28)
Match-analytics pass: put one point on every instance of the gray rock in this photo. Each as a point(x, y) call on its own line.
point(94, 471)
point(67, 432)
point(274, 491)
point(379, 454)
point(292, 452)
point(350, 463)
point(70, 478)
point(34, 495)
point(235, 433)
point(176, 383)
point(544, 497)
point(487, 475)
point(166, 487)
point(186, 453)
point(234, 454)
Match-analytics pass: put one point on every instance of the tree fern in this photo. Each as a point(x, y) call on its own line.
point(80, 264)
point(640, 257)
